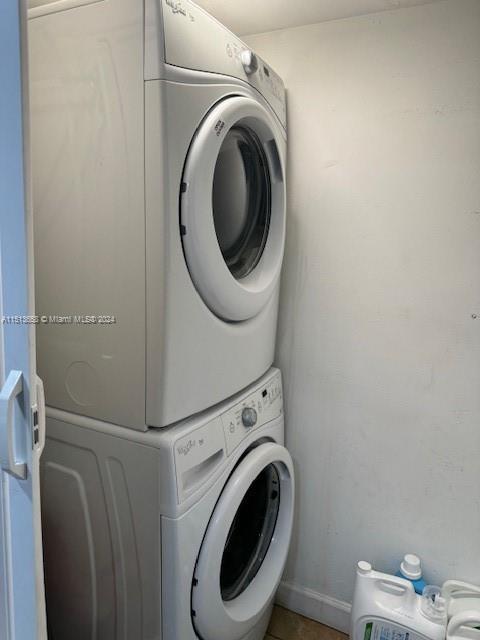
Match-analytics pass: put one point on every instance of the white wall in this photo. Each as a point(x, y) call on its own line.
point(379, 349)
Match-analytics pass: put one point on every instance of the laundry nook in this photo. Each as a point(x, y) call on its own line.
point(240, 337)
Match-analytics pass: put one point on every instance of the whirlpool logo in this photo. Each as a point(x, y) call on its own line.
point(176, 7)
point(184, 449)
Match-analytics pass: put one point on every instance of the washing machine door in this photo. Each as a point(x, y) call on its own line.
point(245, 546)
point(232, 207)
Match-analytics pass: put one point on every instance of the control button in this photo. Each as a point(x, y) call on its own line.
point(249, 61)
point(249, 417)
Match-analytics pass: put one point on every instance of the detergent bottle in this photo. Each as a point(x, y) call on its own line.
point(386, 607)
point(461, 596)
point(463, 610)
point(464, 625)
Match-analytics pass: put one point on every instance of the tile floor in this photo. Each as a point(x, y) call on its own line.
point(286, 625)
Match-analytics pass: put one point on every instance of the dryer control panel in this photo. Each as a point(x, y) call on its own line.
point(193, 39)
point(198, 452)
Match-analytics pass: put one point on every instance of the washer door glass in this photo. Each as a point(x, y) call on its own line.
point(250, 534)
point(241, 200)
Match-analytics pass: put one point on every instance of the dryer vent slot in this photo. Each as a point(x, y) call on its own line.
point(192, 477)
point(275, 165)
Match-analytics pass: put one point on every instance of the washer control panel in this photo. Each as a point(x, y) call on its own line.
point(198, 451)
point(249, 417)
point(258, 408)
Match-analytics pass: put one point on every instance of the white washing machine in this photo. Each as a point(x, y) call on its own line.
point(173, 534)
point(159, 144)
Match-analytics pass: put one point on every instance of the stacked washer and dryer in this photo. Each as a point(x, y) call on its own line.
point(159, 149)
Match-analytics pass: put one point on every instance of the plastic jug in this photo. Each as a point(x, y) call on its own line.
point(386, 607)
point(464, 626)
point(461, 596)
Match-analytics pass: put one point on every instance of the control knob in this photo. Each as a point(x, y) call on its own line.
point(249, 61)
point(249, 417)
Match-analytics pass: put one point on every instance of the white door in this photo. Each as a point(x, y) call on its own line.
point(22, 610)
point(245, 546)
point(232, 207)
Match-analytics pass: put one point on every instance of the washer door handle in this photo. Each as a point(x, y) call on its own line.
point(12, 388)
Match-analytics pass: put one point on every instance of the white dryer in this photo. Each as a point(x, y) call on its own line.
point(159, 146)
point(173, 534)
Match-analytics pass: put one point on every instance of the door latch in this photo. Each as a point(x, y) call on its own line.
point(9, 457)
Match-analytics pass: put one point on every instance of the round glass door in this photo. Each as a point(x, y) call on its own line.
point(245, 546)
point(250, 534)
point(241, 200)
point(232, 207)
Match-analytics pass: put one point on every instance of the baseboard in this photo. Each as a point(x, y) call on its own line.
point(317, 606)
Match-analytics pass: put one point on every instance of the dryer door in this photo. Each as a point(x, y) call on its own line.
point(245, 546)
point(232, 213)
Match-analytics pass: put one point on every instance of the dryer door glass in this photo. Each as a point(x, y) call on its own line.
point(241, 200)
point(250, 534)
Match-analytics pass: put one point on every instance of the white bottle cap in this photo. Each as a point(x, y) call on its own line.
point(411, 567)
point(364, 567)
